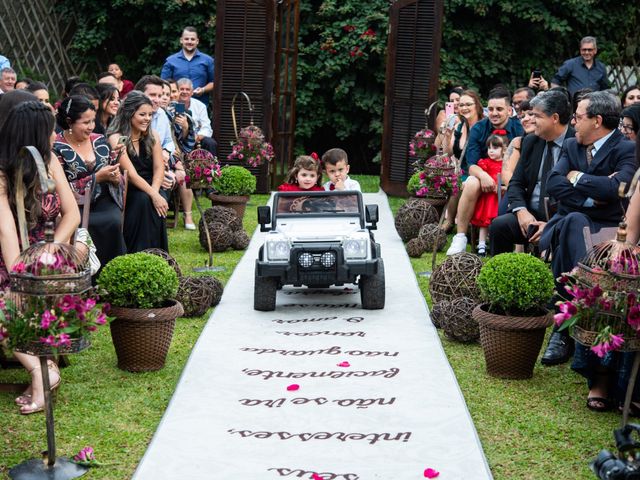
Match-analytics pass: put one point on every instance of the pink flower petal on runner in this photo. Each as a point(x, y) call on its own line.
point(293, 387)
point(431, 473)
point(316, 477)
point(344, 364)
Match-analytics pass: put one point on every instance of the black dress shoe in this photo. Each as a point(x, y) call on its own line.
point(559, 349)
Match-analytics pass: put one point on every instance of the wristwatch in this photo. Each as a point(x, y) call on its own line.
point(574, 178)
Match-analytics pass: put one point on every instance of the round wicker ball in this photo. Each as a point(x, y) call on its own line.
point(415, 247)
point(215, 287)
point(455, 277)
point(221, 237)
point(458, 322)
point(412, 216)
point(240, 240)
point(220, 214)
point(438, 311)
point(195, 296)
point(170, 260)
point(432, 236)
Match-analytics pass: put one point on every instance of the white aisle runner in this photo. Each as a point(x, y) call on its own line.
point(393, 412)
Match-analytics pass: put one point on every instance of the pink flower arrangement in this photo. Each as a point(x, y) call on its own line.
point(47, 263)
point(438, 178)
point(251, 147)
point(613, 314)
point(54, 324)
point(422, 145)
point(200, 169)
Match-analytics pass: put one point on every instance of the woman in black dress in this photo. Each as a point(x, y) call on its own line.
point(87, 161)
point(146, 209)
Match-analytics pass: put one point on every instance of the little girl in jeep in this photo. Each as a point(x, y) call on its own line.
point(305, 176)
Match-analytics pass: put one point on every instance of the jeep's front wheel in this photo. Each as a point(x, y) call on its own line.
point(372, 289)
point(264, 293)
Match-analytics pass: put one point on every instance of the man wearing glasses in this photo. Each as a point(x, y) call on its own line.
point(583, 71)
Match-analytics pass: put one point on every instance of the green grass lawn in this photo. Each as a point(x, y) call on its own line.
point(532, 429)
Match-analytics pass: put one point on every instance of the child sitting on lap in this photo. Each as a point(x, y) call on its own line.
point(336, 166)
point(305, 176)
point(487, 205)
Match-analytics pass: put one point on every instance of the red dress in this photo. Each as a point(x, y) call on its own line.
point(487, 205)
point(294, 187)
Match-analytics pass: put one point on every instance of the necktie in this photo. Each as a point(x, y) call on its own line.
point(589, 153)
point(547, 165)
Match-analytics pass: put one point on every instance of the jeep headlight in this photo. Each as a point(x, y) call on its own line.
point(356, 247)
point(278, 249)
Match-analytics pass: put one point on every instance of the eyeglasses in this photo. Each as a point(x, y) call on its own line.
point(577, 117)
point(625, 128)
point(587, 49)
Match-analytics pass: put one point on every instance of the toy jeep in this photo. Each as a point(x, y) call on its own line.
point(318, 239)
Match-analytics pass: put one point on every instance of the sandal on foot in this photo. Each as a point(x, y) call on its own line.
point(598, 404)
point(30, 408)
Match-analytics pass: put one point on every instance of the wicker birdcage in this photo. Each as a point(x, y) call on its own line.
point(456, 277)
point(614, 266)
point(168, 258)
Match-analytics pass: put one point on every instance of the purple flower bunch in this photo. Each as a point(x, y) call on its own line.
point(439, 178)
point(54, 324)
point(201, 169)
point(47, 263)
point(422, 145)
point(251, 147)
point(610, 313)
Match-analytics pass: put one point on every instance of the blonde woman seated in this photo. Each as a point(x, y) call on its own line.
point(31, 123)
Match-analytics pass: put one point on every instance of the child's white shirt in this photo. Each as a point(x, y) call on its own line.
point(349, 184)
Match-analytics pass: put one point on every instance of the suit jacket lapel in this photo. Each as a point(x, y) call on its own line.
point(536, 155)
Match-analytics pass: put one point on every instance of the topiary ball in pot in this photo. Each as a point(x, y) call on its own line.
point(413, 185)
point(234, 180)
point(141, 288)
point(138, 280)
point(515, 284)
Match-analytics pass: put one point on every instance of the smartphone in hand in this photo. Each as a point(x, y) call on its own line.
point(449, 109)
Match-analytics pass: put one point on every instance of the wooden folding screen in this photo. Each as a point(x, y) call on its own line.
point(245, 52)
point(413, 64)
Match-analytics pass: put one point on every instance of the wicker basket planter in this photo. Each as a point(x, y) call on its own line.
point(142, 336)
point(237, 202)
point(511, 344)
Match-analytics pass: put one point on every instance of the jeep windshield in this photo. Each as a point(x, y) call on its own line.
point(317, 203)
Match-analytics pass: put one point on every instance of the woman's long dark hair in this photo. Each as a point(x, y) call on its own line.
point(106, 92)
point(29, 123)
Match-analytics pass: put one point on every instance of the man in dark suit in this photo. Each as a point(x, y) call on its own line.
point(527, 187)
point(585, 183)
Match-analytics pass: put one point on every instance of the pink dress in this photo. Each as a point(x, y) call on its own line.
point(487, 205)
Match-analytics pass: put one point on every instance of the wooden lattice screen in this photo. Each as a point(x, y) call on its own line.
point(284, 113)
point(34, 37)
point(245, 53)
point(413, 65)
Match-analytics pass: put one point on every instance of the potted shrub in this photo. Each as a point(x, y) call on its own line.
point(141, 288)
point(232, 188)
point(516, 288)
